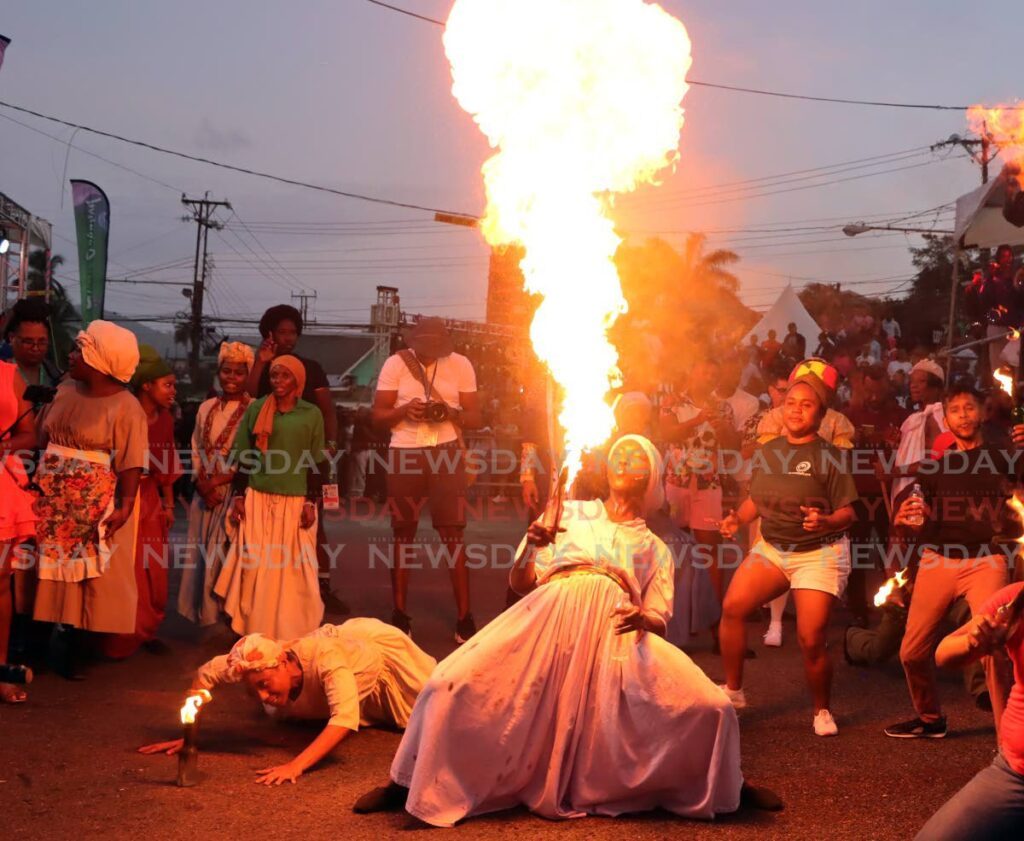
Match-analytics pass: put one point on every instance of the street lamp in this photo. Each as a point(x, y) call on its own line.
point(860, 228)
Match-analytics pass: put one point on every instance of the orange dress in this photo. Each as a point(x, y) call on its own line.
point(17, 522)
point(152, 550)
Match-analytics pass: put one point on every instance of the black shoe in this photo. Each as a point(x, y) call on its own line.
point(332, 604)
point(402, 621)
point(917, 729)
point(65, 653)
point(464, 628)
point(389, 798)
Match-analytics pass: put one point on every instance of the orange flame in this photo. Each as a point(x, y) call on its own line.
point(1004, 376)
point(1017, 506)
point(192, 704)
point(582, 100)
point(1005, 125)
point(886, 590)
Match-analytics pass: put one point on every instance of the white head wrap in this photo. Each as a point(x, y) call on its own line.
point(110, 349)
point(254, 653)
point(654, 497)
point(236, 352)
point(930, 367)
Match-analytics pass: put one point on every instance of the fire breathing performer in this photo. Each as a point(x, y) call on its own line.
point(572, 700)
point(804, 497)
point(358, 674)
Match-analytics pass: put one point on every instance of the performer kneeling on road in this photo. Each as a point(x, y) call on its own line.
point(990, 806)
point(363, 672)
point(571, 702)
point(805, 498)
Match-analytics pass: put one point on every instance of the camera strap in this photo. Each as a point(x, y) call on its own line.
point(429, 391)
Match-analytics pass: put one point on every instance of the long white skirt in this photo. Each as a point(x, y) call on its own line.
point(269, 582)
point(207, 543)
point(548, 708)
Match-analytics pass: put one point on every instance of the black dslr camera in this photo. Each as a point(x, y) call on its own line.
point(435, 412)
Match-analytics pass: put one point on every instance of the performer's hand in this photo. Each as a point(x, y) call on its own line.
point(539, 536)
point(631, 618)
point(913, 513)
point(308, 516)
point(267, 350)
point(289, 772)
point(729, 526)
point(237, 510)
point(986, 635)
point(814, 520)
point(168, 515)
point(531, 493)
point(170, 748)
point(1018, 435)
point(113, 523)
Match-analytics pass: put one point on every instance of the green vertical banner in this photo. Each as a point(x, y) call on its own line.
point(92, 223)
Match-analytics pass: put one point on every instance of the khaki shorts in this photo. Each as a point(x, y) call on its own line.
point(825, 569)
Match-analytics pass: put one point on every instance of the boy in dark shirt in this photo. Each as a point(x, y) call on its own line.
point(957, 522)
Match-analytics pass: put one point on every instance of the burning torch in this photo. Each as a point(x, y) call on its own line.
point(552, 516)
point(897, 582)
point(1005, 377)
point(188, 757)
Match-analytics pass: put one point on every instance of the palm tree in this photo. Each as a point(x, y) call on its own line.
point(703, 270)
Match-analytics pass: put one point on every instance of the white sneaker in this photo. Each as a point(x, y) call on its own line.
point(824, 724)
point(773, 636)
point(735, 696)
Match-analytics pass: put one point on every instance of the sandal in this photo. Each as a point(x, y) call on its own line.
point(11, 694)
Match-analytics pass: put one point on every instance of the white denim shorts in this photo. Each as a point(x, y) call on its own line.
point(825, 569)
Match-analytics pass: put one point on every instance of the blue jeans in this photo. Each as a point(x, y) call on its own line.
point(989, 808)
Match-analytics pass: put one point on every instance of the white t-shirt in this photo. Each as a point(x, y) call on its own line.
point(891, 328)
point(454, 375)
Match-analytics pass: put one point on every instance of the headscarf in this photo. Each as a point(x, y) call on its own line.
point(110, 349)
point(151, 366)
point(265, 419)
point(654, 496)
point(815, 384)
point(236, 352)
point(254, 653)
point(930, 367)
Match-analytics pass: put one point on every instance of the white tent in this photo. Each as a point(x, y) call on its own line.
point(979, 217)
point(786, 309)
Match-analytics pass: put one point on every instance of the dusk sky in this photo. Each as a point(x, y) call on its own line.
point(353, 96)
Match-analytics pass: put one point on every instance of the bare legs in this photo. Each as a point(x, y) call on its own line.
point(755, 582)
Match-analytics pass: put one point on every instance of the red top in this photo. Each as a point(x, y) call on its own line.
point(1011, 729)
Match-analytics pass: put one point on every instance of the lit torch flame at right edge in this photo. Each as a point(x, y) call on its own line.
point(582, 100)
point(188, 756)
point(891, 584)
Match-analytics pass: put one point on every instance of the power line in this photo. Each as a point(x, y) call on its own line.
point(738, 89)
point(232, 167)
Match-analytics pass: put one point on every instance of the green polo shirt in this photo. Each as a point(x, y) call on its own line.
point(296, 444)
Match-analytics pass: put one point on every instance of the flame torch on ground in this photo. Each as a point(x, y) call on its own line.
point(188, 757)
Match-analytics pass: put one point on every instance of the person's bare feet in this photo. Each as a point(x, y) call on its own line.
point(11, 694)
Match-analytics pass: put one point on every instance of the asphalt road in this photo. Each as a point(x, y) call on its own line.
point(68, 766)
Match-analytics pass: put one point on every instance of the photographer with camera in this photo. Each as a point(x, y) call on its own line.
point(426, 395)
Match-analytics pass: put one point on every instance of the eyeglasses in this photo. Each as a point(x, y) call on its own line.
point(33, 343)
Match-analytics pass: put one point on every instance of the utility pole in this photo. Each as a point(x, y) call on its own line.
point(202, 214)
point(304, 298)
point(984, 143)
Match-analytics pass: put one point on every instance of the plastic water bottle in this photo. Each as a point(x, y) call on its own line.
point(916, 493)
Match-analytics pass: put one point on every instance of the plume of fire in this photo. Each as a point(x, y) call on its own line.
point(1004, 376)
point(581, 98)
point(1017, 506)
point(891, 584)
point(1005, 124)
point(193, 702)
